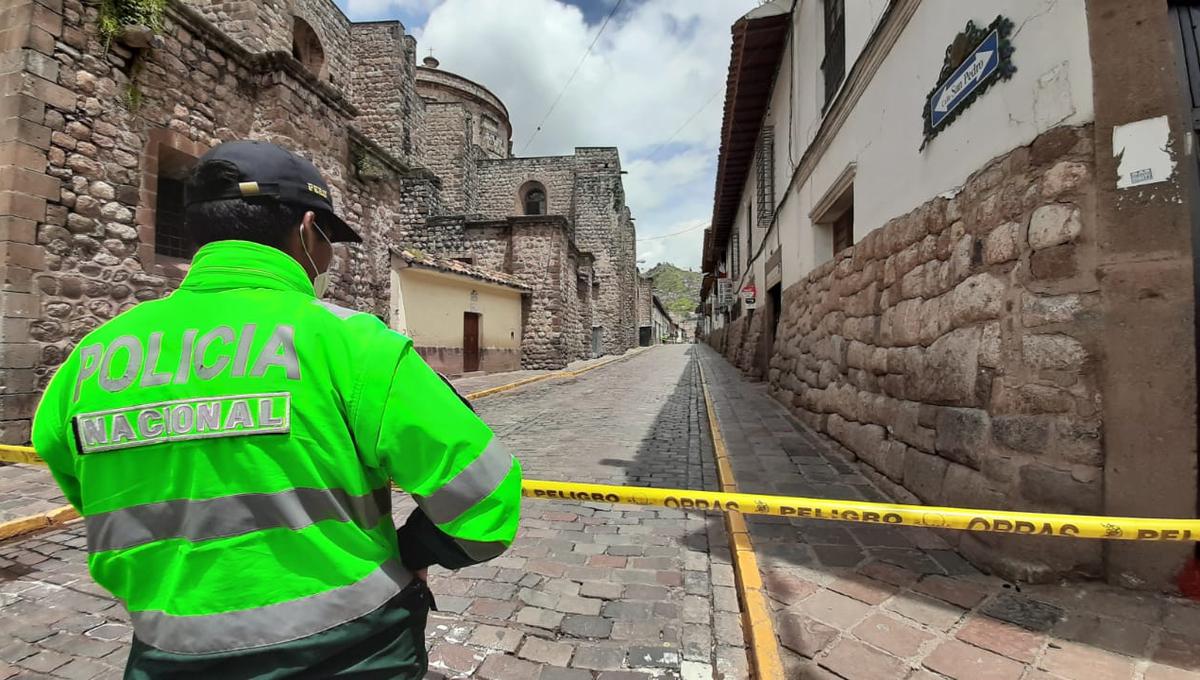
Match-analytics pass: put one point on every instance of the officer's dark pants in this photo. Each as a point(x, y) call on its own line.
point(388, 643)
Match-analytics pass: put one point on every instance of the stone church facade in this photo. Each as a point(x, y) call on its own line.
point(96, 137)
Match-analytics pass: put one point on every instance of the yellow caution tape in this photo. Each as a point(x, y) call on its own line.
point(963, 519)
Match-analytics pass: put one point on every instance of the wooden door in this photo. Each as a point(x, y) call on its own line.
point(470, 342)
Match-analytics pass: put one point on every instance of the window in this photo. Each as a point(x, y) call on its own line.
point(306, 47)
point(843, 231)
point(766, 176)
point(834, 214)
point(834, 64)
point(170, 234)
point(533, 199)
point(170, 237)
point(735, 264)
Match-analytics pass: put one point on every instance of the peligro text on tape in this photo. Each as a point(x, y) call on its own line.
point(963, 519)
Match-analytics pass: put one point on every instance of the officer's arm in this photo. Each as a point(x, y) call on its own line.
point(467, 486)
point(52, 432)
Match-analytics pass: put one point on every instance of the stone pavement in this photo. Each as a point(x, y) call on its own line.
point(487, 381)
point(27, 490)
point(596, 592)
point(863, 602)
point(589, 591)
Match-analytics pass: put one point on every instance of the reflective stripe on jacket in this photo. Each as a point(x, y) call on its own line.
point(231, 448)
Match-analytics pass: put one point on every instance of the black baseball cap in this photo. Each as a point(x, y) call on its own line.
point(269, 170)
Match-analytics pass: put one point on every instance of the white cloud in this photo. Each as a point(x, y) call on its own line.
point(655, 66)
point(368, 10)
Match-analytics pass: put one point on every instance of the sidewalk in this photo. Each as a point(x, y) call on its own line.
point(879, 603)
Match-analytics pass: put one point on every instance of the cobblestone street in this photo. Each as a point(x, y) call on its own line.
point(592, 591)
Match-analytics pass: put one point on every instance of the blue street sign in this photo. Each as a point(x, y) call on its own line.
point(979, 65)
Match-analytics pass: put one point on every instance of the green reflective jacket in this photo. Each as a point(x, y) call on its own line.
point(231, 448)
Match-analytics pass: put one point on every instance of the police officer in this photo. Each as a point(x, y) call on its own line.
point(231, 448)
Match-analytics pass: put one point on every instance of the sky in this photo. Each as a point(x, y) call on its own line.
point(653, 86)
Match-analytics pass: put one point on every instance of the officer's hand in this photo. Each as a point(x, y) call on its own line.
point(423, 574)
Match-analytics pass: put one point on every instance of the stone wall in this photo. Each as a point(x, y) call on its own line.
point(540, 258)
point(491, 127)
point(390, 112)
point(440, 235)
point(448, 150)
point(262, 26)
point(490, 244)
point(501, 180)
point(604, 228)
point(78, 181)
point(952, 352)
point(645, 295)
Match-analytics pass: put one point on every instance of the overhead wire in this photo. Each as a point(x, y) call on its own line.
point(687, 122)
point(574, 73)
point(677, 233)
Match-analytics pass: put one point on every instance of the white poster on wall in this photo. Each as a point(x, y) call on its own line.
point(1143, 149)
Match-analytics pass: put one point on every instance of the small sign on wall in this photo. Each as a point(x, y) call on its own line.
point(978, 57)
point(474, 303)
point(724, 293)
point(749, 296)
point(1143, 149)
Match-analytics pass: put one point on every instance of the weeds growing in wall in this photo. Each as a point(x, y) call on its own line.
point(117, 14)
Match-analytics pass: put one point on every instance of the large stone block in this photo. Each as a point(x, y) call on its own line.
point(979, 298)
point(1060, 490)
point(1065, 177)
point(1054, 351)
point(1053, 225)
point(1003, 244)
point(924, 475)
point(950, 368)
point(1038, 310)
point(1029, 434)
point(990, 345)
point(965, 487)
point(905, 425)
point(1010, 395)
point(963, 435)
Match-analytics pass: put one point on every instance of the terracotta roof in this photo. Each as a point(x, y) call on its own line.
point(758, 41)
point(416, 258)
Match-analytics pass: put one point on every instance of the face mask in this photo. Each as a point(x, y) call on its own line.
point(321, 282)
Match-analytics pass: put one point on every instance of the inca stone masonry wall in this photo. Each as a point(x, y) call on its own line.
point(80, 167)
point(953, 352)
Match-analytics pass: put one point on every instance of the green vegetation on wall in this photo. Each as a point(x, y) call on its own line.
point(116, 14)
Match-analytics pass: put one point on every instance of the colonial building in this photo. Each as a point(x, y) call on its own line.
point(98, 130)
point(969, 224)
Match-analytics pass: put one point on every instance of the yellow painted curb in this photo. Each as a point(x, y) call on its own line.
point(759, 627)
point(25, 525)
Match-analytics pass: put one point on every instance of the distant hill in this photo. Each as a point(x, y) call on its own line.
point(679, 289)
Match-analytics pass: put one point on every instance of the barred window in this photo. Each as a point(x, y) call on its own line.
point(171, 236)
point(834, 64)
point(735, 266)
point(766, 176)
